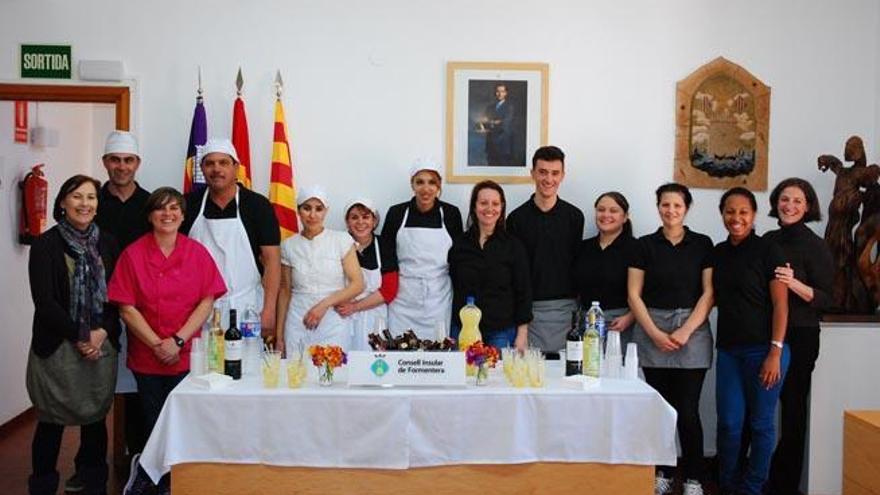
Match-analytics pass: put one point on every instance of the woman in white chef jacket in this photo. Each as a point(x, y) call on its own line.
point(319, 269)
point(418, 234)
point(368, 311)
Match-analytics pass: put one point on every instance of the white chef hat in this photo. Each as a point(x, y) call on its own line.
point(121, 142)
point(365, 202)
point(216, 145)
point(307, 193)
point(424, 164)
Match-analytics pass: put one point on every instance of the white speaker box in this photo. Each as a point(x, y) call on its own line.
point(101, 70)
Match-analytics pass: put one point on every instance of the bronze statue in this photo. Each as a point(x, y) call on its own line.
point(856, 196)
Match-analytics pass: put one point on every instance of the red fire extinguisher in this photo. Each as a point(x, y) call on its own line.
point(34, 205)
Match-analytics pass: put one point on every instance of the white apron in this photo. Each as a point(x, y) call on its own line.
point(227, 241)
point(424, 296)
point(333, 329)
point(365, 322)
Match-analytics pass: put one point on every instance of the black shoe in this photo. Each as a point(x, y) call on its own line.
point(46, 484)
point(74, 484)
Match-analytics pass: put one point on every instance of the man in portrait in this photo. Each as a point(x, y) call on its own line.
point(499, 125)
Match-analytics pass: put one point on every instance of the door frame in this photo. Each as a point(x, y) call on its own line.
point(119, 96)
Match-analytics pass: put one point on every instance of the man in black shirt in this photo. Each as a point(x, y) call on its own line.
point(240, 230)
point(551, 230)
point(121, 203)
point(121, 200)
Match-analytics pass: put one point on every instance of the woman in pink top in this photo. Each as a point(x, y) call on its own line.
point(165, 285)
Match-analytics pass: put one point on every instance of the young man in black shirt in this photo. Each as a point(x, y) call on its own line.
point(551, 230)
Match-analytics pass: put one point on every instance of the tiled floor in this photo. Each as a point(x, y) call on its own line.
point(15, 457)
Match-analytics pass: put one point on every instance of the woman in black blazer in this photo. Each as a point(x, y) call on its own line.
point(71, 370)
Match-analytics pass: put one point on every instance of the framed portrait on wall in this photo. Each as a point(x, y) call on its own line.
point(496, 113)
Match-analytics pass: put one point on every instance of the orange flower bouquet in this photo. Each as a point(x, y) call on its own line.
point(326, 359)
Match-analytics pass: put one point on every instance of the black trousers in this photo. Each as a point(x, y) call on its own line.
point(91, 459)
point(681, 388)
point(788, 459)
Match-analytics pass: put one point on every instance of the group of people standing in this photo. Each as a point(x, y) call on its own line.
point(160, 262)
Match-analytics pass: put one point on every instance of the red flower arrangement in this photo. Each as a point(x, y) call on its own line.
point(480, 354)
point(482, 357)
point(326, 358)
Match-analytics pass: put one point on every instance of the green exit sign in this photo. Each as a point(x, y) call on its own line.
point(45, 61)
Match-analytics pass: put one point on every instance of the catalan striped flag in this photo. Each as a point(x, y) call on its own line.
point(193, 179)
point(282, 190)
point(241, 141)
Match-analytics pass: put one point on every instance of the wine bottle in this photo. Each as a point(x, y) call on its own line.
point(232, 347)
point(574, 347)
point(593, 341)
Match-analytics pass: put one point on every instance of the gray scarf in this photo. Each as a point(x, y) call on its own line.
point(88, 288)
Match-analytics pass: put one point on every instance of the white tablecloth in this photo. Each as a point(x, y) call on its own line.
point(624, 422)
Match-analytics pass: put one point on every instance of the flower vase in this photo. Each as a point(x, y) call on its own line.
point(325, 375)
point(482, 375)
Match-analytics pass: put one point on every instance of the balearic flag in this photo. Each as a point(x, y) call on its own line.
point(241, 141)
point(193, 179)
point(282, 193)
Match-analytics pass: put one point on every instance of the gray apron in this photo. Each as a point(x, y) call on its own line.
point(697, 353)
point(551, 321)
point(68, 389)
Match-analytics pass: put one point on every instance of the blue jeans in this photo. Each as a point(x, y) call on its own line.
point(738, 389)
point(498, 338)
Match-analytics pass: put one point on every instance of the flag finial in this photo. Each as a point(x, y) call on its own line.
point(279, 84)
point(199, 89)
point(239, 82)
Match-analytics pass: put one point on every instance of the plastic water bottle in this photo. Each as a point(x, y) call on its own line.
point(250, 324)
point(251, 331)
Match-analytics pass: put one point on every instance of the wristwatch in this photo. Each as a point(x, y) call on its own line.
point(179, 341)
point(776, 343)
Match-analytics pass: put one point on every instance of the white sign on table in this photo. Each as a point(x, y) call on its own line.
point(411, 369)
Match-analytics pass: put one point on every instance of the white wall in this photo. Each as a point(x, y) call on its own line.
point(81, 128)
point(365, 81)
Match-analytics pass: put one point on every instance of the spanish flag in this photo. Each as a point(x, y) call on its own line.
point(193, 179)
point(241, 141)
point(282, 193)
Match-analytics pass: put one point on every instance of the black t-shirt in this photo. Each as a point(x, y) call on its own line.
point(600, 274)
point(369, 261)
point(551, 239)
point(415, 218)
point(497, 275)
point(673, 274)
point(813, 265)
point(126, 220)
point(256, 214)
point(741, 278)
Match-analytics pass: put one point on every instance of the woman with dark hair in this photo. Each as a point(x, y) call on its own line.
point(417, 235)
point(71, 370)
point(670, 294)
point(491, 265)
point(369, 310)
point(165, 285)
point(600, 268)
point(808, 274)
point(752, 357)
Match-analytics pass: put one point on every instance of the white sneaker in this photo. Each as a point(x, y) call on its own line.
point(662, 486)
point(692, 487)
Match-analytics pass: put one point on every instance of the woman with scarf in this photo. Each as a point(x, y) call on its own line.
point(71, 370)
